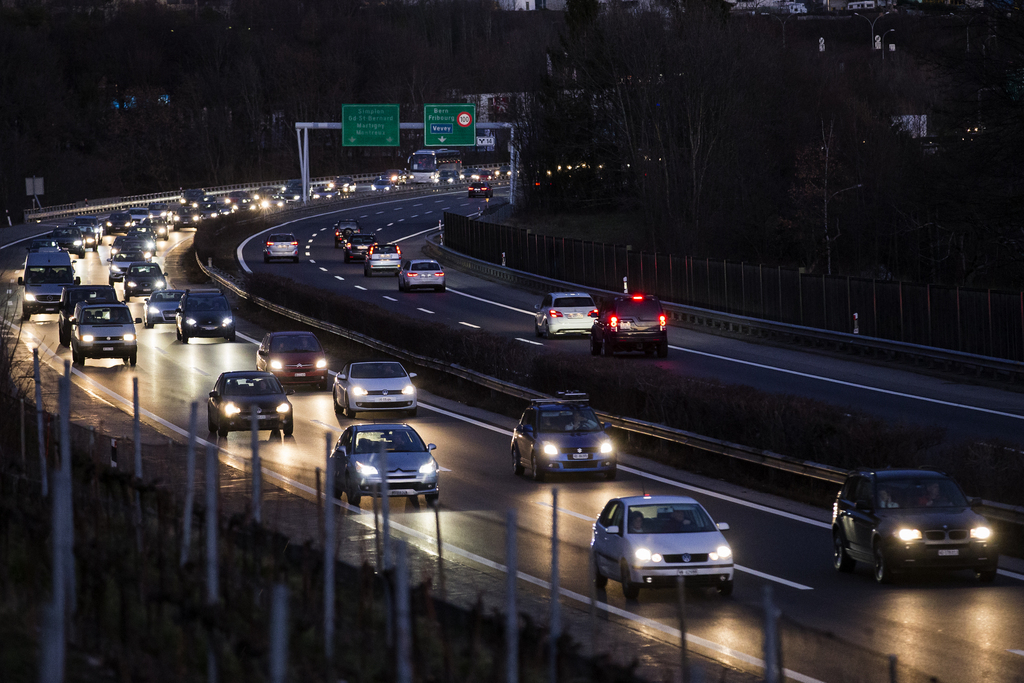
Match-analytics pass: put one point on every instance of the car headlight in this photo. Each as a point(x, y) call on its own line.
point(645, 555)
point(723, 552)
point(29, 296)
point(365, 470)
point(129, 284)
point(154, 310)
point(158, 283)
point(115, 269)
point(78, 243)
point(276, 365)
point(226, 322)
point(231, 409)
point(909, 534)
point(129, 337)
point(322, 363)
point(358, 391)
point(409, 390)
point(981, 533)
point(606, 446)
point(86, 337)
point(550, 449)
point(429, 468)
point(284, 407)
point(190, 321)
point(147, 254)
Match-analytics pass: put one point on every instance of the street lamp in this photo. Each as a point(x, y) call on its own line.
point(871, 37)
point(828, 238)
point(968, 27)
point(781, 21)
point(883, 41)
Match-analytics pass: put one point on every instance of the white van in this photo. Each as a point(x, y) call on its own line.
point(795, 7)
point(46, 276)
point(862, 4)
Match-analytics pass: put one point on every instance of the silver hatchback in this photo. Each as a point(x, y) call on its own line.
point(383, 258)
point(161, 307)
point(281, 245)
point(421, 273)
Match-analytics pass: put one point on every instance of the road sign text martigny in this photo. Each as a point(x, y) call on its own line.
point(369, 125)
point(449, 125)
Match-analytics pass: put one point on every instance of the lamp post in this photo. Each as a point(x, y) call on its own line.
point(967, 27)
point(828, 238)
point(781, 21)
point(871, 36)
point(883, 40)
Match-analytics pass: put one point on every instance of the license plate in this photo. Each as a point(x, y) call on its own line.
point(401, 492)
point(949, 553)
point(390, 399)
point(687, 572)
point(209, 328)
point(266, 417)
point(626, 326)
point(111, 348)
point(580, 456)
point(300, 374)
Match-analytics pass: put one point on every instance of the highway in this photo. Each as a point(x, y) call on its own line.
point(948, 627)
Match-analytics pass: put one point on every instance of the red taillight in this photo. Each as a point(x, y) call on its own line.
point(662, 320)
point(399, 250)
point(593, 313)
point(295, 244)
point(613, 321)
point(555, 314)
point(439, 273)
point(410, 274)
point(270, 244)
point(638, 297)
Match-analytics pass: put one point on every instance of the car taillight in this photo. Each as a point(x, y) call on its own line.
point(661, 320)
point(270, 244)
point(613, 322)
point(411, 274)
point(555, 314)
point(399, 250)
point(593, 313)
point(439, 273)
point(295, 244)
point(638, 297)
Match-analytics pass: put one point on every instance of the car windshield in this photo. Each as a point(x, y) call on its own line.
point(291, 343)
point(573, 302)
point(145, 270)
point(252, 386)
point(128, 255)
point(113, 315)
point(668, 518)
point(386, 249)
point(165, 296)
point(376, 370)
point(39, 244)
point(426, 265)
point(397, 440)
point(914, 492)
point(568, 419)
point(362, 239)
point(207, 303)
point(55, 275)
point(66, 232)
point(76, 295)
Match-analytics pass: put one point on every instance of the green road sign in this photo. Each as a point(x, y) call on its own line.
point(449, 125)
point(369, 125)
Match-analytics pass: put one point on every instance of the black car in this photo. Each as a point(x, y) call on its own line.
point(142, 279)
point(238, 394)
point(909, 519)
point(562, 437)
point(42, 244)
point(119, 221)
point(344, 229)
point(191, 198)
point(630, 322)
point(204, 313)
point(120, 262)
point(480, 187)
point(71, 297)
point(69, 239)
point(357, 245)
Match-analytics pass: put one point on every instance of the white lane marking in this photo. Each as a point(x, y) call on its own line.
point(488, 301)
point(333, 428)
point(389, 225)
point(364, 215)
point(378, 230)
point(311, 260)
point(420, 204)
point(475, 327)
point(445, 208)
point(415, 234)
point(390, 298)
point(338, 277)
point(425, 311)
point(747, 570)
point(414, 216)
point(854, 385)
point(529, 341)
point(380, 212)
point(1016, 652)
point(310, 241)
point(158, 350)
point(323, 269)
point(427, 213)
point(204, 373)
point(361, 287)
point(247, 338)
point(1012, 575)
point(401, 220)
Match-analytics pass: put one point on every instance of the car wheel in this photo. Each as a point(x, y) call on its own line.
point(133, 359)
point(295, 260)
point(231, 337)
point(334, 400)
point(840, 559)
point(75, 358)
point(346, 411)
point(322, 385)
point(883, 573)
point(64, 340)
point(595, 348)
point(629, 589)
point(545, 330)
point(127, 298)
point(725, 589)
point(24, 315)
point(222, 431)
point(366, 273)
point(663, 350)
point(411, 412)
point(517, 462)
point(607, 349)
point(145, 323)
point(440, 289)
point(184, 338)
point(266, 259)
point(600, 580)
point(986, 575)
point(432, 498)
point(401, 286)
point(347, 259)
point(536, 330)
point(288, 428)
point(350, 493)
point(612, 473)
point(535, 470)
point(210, 425)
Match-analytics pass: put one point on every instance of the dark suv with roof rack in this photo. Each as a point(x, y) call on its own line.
point(204, 313)
point(630, 322)
point(562, 436)
point(907, 519)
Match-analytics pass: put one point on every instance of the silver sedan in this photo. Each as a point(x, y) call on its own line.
point(161, 307)
point(374, 386)
point(421, 273)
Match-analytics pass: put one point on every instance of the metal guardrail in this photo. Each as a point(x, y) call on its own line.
point(701, 318)
point(1003, 512)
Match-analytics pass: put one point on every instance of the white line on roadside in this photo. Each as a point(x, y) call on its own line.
point(311, 260)
point(488, 301)
point(389, 225)
point(389, 298)
point(333, 428)
point(529, 341)
point(361, 287)
point(1016, 652)
point(425, 310)
point(323, 269)
point(338, 277)
point(204, 373)
point(475, 327)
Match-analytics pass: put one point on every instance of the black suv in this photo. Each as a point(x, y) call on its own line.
point(630, 322)
point(562, 436)
point(204, 313)
point(906, 519)
point(71, 297)
point(69, 239)
point(356, 246)
point(344, 229)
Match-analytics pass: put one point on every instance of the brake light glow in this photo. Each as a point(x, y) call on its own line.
point(614, 322)
point(555, 314)
point(295, 244)
point(399, 250)
point(593, 313)
point(661, 320)
point(411, 274)
point(270, 244)
point(439, 273)
point(638, 297)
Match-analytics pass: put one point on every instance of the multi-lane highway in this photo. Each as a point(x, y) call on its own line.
point(952, 628)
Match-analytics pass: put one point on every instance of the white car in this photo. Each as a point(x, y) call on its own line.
point(376, 386)
point(281, 245)
point(564, 313)
point(421, 273)
point(650, 541)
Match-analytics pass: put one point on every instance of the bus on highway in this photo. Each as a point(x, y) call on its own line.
point(426, 164)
